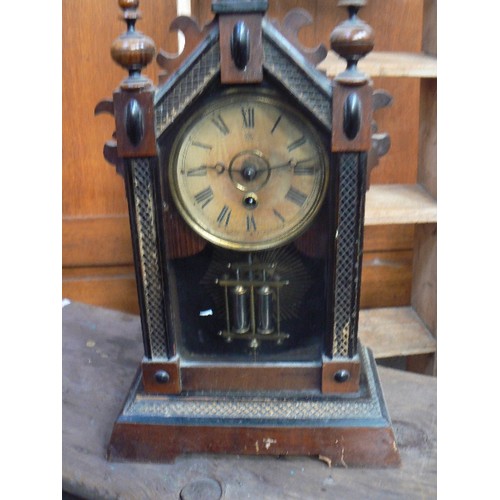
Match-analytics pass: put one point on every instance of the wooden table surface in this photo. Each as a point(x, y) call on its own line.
point(102, 350)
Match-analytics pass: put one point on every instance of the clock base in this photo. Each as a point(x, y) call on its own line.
point(346, 430)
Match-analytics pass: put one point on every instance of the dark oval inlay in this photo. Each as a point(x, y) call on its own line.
point(352, 116)
point(134, 123)
point(240, 45)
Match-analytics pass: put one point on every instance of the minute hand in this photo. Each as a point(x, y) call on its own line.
point(293, 164)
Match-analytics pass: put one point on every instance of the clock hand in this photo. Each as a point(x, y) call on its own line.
point(250, 171)
point(201, 170)
point(219, 168)
point(290, 163)
point(255, 170)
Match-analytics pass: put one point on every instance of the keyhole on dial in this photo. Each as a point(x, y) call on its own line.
point(250, 201)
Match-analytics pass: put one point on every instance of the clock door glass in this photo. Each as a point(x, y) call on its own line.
point(245, 178)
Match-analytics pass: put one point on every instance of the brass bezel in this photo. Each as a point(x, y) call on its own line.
point(204, 230)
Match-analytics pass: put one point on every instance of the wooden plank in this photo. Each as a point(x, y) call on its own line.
point(96, 241)
point(388, 237)
point(424, 289)
point(77, 273)
point(429, 28)
point(386, 279)
point(399, 204)
point(401, 121)
point(385, 64)
point(114, 288)
point(101, 351)
point(394, 331)
point(427, 153)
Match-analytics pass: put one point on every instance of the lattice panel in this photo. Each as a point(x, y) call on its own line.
point(149, 259)
point(187, 87)
point(298, 83)
point(347, 254)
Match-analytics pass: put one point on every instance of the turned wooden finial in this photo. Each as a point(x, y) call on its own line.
point(133, 50)
point(352, 40)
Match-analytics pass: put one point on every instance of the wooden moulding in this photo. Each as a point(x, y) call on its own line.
point(192, 376)
point(246, 377)
point(343, 446)
point(349, 430)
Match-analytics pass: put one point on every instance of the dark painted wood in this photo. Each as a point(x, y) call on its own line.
point(100, 349)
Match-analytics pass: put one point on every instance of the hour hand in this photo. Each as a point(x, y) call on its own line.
point(203, 169)
point(288, 164)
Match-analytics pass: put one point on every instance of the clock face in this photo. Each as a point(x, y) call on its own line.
point(248, 172)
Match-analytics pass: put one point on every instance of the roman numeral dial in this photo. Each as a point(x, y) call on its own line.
point(247, 171)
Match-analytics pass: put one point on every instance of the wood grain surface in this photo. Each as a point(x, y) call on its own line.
point(394, 331)
point(380, 64)
point(101, 352)
point(399, 204)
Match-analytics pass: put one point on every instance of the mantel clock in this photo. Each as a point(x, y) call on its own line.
point(245, 172)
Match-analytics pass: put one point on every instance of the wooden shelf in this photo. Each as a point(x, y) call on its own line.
point(399, 204)
point(383, 64)
point(394, 331)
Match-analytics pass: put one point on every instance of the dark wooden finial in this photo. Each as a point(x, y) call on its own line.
point(352, 40)
point(132, 50)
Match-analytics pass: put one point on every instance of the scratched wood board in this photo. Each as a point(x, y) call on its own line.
point(101, 352)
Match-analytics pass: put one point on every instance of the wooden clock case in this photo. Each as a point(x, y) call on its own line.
point(331, 405)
